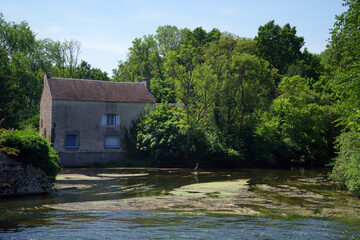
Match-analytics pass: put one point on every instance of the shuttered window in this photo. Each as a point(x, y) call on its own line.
point(110, 120)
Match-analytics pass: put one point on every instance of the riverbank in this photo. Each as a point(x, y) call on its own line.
point(18, 179)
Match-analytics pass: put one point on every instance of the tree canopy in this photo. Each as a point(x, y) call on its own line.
point(266, 101)
point(23, 62)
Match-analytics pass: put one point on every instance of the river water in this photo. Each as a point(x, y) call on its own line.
point(298, 204)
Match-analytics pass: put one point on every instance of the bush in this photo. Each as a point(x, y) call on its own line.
point(296, 128)
point(161, 133)
point(347, 164)
point(34, 150)
point(211, 150)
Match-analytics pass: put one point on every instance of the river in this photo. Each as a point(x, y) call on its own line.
point(143, 203)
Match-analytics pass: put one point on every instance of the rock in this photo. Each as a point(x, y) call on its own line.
point(17, 179)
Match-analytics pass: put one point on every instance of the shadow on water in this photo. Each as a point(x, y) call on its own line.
point(294, 204)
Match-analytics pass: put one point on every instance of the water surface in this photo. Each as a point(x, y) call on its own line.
point(299, 204)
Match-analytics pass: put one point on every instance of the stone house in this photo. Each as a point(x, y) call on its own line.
point(84, 119)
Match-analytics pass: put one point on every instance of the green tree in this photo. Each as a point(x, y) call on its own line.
point(194, 83)
point(345, 36)
point(309, 66)
point(169, 38)
point(16, 37)
point(20, 64)
point(126, 72)
point(294, 131)
point(244, 84)
point(347, 164)
point(5, 86)
point(85, 71)
point(280, 46)
point(161, 133)
point(145, 60)
point(344, 59)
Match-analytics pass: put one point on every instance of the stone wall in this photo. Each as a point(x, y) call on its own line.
point(84, 119)
point(46, 112)
point(17, 179)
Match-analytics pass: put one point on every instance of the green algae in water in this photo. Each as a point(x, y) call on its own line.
point(287, 197)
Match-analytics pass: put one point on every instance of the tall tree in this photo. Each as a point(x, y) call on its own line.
point(85, 71)
point(16, 37)
point(169, 38)
point(294, 130)
point(71, 51)
point(20, 61)
point(244, 82)
point(280, 46)
point(345, 60)
point(194, 83)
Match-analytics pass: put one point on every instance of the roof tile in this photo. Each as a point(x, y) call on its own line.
point(98, 91)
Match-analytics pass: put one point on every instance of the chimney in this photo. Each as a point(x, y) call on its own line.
point(147, 83)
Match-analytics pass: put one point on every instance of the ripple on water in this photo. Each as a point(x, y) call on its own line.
point(293, 205)
point(174, 225)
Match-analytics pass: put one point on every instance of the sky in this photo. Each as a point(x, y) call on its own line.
point(107, 28)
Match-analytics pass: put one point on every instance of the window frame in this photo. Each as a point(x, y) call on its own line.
point(112, 146)
point(76, 141)
point(110, 120)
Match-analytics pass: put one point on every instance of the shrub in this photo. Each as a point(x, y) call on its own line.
point(161, 133)
point(211, 150)
point(347, 164)
point(34, 150)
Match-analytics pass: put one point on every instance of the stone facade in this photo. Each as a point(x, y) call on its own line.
point(85, 119)
point(17, 179)
point(46, 112)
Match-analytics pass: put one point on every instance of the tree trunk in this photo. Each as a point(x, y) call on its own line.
point(188, 145)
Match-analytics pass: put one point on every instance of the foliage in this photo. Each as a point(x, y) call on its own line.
point(3, 149)
point(34, 150)
point(15, 37)
point(345, 36)
point(193, 84)
point(307, 66)
point(243, 84)
point(264, 98)
point(280, 46)
point(85, 71)
point(161, 133)
point(23, 62)
point(169, 38)
point(344, 63)
point(211, 150)
point(148, 55)
point(293, 131)
point(347, 164)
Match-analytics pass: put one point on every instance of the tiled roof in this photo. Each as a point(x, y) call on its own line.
point(98, 91)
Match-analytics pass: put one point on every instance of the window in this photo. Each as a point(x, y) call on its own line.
point(112, 141)
point(72, 141)
point(110, 120)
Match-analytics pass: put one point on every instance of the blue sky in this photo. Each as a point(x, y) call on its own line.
point(107, 28)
